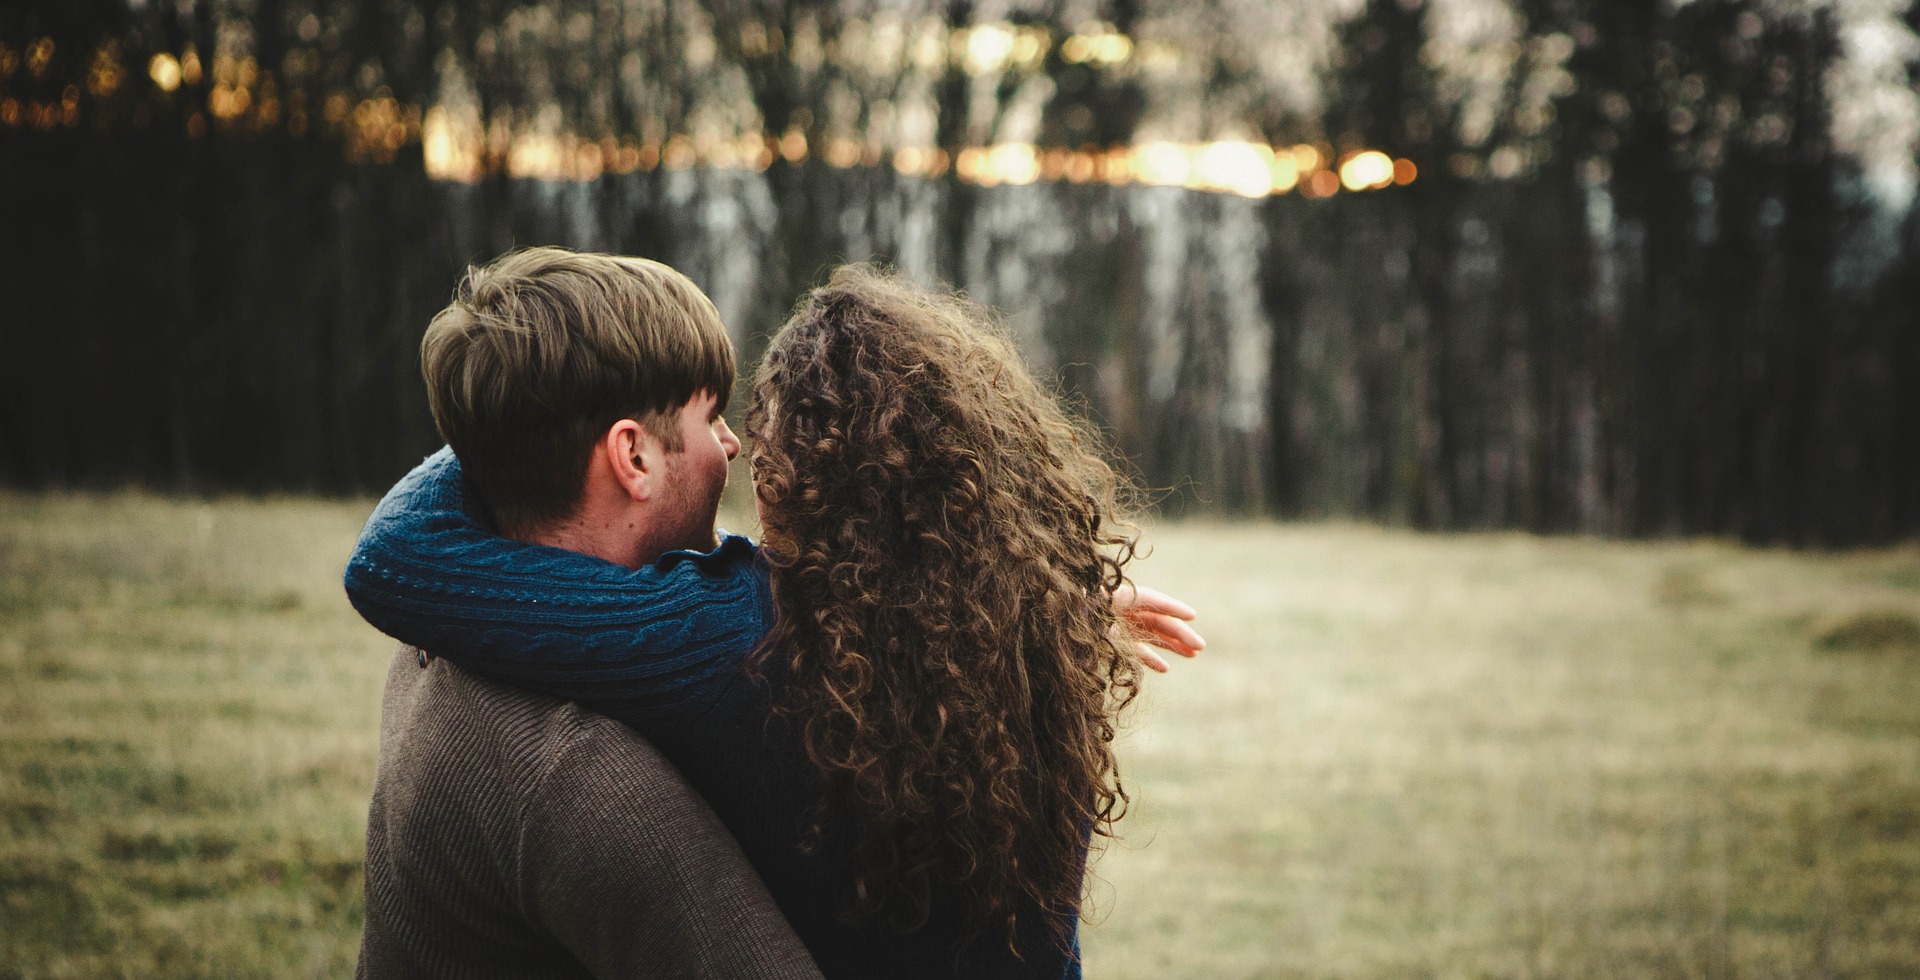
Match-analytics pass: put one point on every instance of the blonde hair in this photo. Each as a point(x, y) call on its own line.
point(543, 349)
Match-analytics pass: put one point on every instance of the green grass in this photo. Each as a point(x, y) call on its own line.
point(1403, 756)
point(189, 718)
point(1507, 756)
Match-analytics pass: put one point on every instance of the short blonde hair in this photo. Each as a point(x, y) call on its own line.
point(543, 349)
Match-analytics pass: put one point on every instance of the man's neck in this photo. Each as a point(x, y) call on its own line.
point(609, 540)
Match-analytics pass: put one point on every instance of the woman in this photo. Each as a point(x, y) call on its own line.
point(917, 754)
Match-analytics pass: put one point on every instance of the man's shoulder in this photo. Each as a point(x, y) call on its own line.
point(440, 716)
point(440, 720)
point(421, 679)
point(430, 690)
point(509, 829)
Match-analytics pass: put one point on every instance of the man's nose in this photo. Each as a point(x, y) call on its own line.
point(729, 441)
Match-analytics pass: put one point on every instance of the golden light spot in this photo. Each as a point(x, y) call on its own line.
point(103, 75)
point(1053, 164)
point(1306, 158)
point(165, 72)
point(70, 108)
point(437, 149)
point(9, 62)
point(190, 67)
point(228, 103)
point(10, 112)
point(1505, 163)
point(1014, 163)
point(536, 155)
point(1030, 45)
point(842, 153)
point(969, 164)
point(750, 148)
point(927, 52)
point(678, 154)
point(1158, 57)
point(911, 160)
point(988, 48)
point(39, 56)
point(1164, 164)
point(375, 128)
point(1365, 170)
point(589, 162)
point(1097, 46)
point(1236, 167)
point(1404, 171)
point(793, 145)
point(1080, 167)
point(629, 159)
point(1286, 173)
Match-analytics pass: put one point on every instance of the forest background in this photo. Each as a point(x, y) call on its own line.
point(1625, 267)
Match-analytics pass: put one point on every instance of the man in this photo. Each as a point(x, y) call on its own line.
point(515, 835)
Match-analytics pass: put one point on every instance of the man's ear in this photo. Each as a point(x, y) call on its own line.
point(634, 458)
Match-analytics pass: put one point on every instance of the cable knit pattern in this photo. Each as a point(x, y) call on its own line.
point(428, 572)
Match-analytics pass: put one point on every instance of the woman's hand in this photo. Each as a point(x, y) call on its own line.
point(1156, 620)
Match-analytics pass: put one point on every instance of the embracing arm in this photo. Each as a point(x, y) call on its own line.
point(428, 571)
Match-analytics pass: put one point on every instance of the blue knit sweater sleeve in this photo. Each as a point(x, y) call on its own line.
point(657, 640)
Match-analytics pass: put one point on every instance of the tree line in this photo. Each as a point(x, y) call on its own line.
point(1635, 289)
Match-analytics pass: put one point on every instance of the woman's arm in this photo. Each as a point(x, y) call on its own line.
point(429, 572)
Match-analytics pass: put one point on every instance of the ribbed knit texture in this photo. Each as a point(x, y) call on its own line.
point(429, 572)
point(515, 835)
point(662, 649)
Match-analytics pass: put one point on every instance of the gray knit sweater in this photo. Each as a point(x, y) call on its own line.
point(514, 835)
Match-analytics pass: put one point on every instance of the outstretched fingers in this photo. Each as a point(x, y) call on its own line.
point(1157, 620)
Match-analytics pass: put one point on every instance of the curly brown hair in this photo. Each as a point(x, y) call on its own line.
point(943, 538)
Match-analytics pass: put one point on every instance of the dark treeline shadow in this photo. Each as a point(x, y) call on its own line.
point(1637, 291)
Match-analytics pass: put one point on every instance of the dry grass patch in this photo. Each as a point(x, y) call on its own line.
point(1467, 756)
point(186, 739)
point(1503, 756)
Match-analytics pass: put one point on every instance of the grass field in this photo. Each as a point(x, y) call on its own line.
point(1402, 756)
